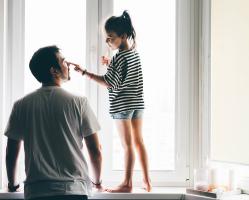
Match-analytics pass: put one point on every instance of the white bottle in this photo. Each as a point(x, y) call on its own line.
point(231, 180)
point(213, 178)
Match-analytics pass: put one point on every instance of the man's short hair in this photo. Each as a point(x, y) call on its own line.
point(41, 62)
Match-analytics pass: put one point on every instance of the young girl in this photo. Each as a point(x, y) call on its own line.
point(125, 85)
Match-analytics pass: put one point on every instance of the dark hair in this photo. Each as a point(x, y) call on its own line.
point(41, 62)
point(121, 25)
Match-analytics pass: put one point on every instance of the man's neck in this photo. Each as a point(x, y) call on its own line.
point(51, 84)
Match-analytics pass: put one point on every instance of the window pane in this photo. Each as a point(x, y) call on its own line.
point(61, 23)
point(154, 23)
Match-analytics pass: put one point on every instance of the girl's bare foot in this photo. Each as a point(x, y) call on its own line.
point(147, 186)
point(123, 188)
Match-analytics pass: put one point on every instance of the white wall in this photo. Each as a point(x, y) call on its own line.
point(230, 80)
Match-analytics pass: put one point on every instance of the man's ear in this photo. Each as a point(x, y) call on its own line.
point(54, 71)
point(124, 36)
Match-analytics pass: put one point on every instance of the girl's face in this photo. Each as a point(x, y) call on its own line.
point(114, 41)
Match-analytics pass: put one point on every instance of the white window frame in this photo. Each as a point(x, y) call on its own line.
point(187, 30)
point(12, 84)
point(205, 83)
point(187, 47)
point(92, 56)
point(2, 72)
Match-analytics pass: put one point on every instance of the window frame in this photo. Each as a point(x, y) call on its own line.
point(205, 83)
point(187, 28)
point(92, 56)
point(13, 69)
point(2, 70)
point(187, 47)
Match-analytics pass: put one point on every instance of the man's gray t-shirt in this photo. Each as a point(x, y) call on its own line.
point(52, 123)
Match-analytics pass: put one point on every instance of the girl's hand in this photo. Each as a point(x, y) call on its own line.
point(77, 67)
point(105, 60)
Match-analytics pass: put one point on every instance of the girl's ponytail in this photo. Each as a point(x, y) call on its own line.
point(122, 25)
point(130, 31)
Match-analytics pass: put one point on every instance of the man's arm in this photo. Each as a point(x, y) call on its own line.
point(94, 150)
point(12, 152)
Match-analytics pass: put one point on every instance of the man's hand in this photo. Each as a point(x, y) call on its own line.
point(12, 152)
point(99, 188)
point(13, 188)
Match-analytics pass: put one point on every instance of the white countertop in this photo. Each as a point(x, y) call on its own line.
point(157, 193)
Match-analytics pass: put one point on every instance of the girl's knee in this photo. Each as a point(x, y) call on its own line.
point(138, 142)
point(129, 147)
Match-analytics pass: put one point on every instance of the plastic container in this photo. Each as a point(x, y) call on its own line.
point(232, 182)
point(201, 179)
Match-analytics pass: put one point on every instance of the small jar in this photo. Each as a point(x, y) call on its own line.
point(201, 179)
point(214, 179)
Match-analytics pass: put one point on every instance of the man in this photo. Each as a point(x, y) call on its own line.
point(52, 124)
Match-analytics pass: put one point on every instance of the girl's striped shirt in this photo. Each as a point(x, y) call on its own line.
point(124, 75)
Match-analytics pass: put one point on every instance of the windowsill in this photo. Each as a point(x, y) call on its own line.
point(173, 193)
point(157, 193)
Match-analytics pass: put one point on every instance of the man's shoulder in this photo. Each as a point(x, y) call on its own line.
point(25, 98)
point(71, 96)
point(59, 94)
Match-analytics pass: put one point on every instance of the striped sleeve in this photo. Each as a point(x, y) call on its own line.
point(113, 75)
point(129, 93)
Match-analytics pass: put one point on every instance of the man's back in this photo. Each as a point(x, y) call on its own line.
point(52, 124)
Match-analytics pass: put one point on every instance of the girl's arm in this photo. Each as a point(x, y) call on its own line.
point(97, 78)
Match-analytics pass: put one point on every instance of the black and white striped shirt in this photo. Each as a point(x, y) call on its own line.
point(124, 75)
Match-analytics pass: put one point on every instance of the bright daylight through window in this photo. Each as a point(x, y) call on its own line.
point(156, 45)
point(69, 37)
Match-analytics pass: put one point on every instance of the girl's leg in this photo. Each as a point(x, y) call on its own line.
point(124, 129)
point(140, 147)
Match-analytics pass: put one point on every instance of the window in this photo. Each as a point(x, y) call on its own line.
point(2, 72)
point(45, 29)
point(164, 46)
point(156, 45)
point(69, 37)
point(167, 73)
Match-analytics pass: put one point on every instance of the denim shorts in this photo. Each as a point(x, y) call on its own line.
point(129, 114)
